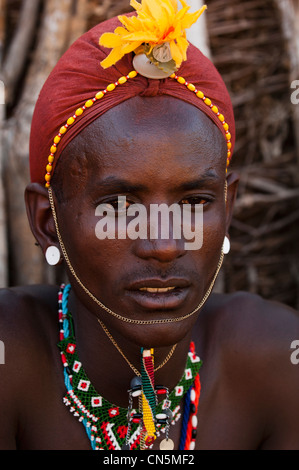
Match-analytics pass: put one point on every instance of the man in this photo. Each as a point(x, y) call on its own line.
point(145, 141)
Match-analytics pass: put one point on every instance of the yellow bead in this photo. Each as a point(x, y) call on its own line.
point(229, 154)
point(208, 101)
point(53, 149)
point(225, 126)
point(191, 86)
point(47, 177)
point(49, 168)
point(47, 185)
point(229, 145)
point(122, 80)
point(70, 121)
point(181, 80)
point(79, 111)
point(172, 75)
point(50, 158)
point(56, 139)
point(200, 94)
point(132, 74)
point(221, 117)
point(88, 103)
point(63, 130)
point(110, 87)
point(215, 109)
point(228, 136)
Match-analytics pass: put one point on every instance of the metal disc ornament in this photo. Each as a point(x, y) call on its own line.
point(167, 444)
point(145, 67)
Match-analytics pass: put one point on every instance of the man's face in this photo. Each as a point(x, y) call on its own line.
point(149, 151)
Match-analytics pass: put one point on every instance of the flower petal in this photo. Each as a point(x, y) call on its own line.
point(115, 55)
point(135, 5)
point(141, 36)
point(190, 18)
point(110, 40)
point(176, 53)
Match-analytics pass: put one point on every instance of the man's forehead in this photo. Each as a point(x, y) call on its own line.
point(149, 120)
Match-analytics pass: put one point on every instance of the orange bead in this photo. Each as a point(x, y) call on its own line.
point(88, 103)
point(229, 145)
point(191, 86)
point(110, 87)
point(122, 80)
point(200, 94)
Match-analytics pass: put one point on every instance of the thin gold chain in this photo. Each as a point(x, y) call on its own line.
point(108, 310)
point(126, 359)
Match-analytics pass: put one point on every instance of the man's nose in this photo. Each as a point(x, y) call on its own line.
point(162, 248)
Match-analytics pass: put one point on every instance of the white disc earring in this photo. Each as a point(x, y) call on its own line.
point(226, 245)
point(52, 255)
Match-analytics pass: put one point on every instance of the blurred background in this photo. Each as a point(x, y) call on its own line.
point(255, 46)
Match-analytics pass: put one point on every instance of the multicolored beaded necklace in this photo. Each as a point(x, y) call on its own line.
point(111, 427)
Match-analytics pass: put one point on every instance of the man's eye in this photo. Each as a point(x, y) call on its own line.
point(117, 205)
point(195, 200)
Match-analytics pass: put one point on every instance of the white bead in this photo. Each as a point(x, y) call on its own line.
point(192, 395)
point(161, 416)
point(194, 421)
point(136, 393)
point(192, 445)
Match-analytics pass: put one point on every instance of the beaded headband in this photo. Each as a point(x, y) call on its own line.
point(157, 57)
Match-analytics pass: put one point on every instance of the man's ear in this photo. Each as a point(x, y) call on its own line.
point(232, 187)
point(40, 216)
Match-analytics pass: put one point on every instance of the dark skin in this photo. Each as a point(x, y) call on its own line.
point(170, 153)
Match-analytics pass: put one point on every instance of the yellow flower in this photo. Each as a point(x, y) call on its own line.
point(157, 22)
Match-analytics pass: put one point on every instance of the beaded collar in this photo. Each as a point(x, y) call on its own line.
point(106, 424)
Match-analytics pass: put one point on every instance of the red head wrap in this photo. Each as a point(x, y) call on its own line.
point(78, 77)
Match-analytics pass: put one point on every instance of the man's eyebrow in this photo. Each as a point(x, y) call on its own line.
point(208, 177)
point(114, 184)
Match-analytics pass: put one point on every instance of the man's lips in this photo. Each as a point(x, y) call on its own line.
point(156, 283)
point(159, 294)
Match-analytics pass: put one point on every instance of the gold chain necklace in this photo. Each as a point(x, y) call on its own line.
point(124, 356)
point(108, 310)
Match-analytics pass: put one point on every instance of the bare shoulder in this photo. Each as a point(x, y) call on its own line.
point(252, 322)
point(28, 335)
point(255, 342)
point(26, 310)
